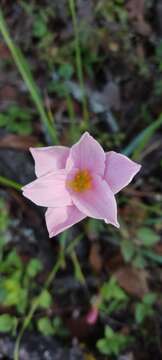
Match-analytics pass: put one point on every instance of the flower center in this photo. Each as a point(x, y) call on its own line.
point(81, 182)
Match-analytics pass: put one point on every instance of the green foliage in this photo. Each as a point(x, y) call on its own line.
point(144, 309)
point(44, 325)
point(112, 296)
point(59, 327)
point(17, 120)
point(53, 326)
point(33, 268)
point(66, 71)
point(147, 237)
point(8, 323)
point(17, 279)
point(25, 71)
point(135, 250)
point(40, 28)
point(18, 285)
point(113, 342)
point(45, 299)
point(113, 10)
point(140, 141)
point(127, 249)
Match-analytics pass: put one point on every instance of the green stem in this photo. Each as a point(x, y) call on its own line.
point(74, 129)
point(10, 183)
point(79, 64)
point(26, 74)
point(57, 266)
point(78, 271)
point(25, 325)
point(34, 307)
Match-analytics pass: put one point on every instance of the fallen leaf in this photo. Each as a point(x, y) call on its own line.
point(21, 142)
point(114, 262)
point(133, 281)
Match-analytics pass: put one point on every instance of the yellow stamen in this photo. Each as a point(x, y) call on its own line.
point(81, 182)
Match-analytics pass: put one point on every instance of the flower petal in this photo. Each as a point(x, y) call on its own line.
point(88, 154)
point(48, 159)
point(98, 203)
point(119, 170)
point(60, 219)
point(49, 190)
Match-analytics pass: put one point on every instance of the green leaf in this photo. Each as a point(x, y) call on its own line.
point(66, 71)
point(39, 27)
point(33, 268)
point(140, 313)
point(139, 261)
point(45, 326)
point(112, 291)
point(7, 323)
point(103, 347)
point(149, 299)
point(59, 328)
point(147, 237)
point(145, 308)
point(12, 261)
point(127, 249)
point(45, 299)
point(15, 295)
point(109, 333)
point(113, 343)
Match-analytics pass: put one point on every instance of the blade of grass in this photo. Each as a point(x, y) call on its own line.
point(77, 268)
point(141, 140)
point(10, 183)
point(74, 133)
point(26, 74)
point(79, 64)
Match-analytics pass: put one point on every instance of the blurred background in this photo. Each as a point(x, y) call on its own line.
point(65, 67)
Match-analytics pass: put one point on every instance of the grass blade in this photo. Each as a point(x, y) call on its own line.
point(142, 139)
point(79, 64)
point(26, 74)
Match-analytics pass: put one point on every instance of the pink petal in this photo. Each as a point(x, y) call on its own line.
point(98, 203)
point(60, 219)
point(92, 316)
point(48, 159)
point(49, 190)
point(119, 170)
point(88, 154)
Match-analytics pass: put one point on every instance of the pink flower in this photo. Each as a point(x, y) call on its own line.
point(78, 182)
point(92, 316)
